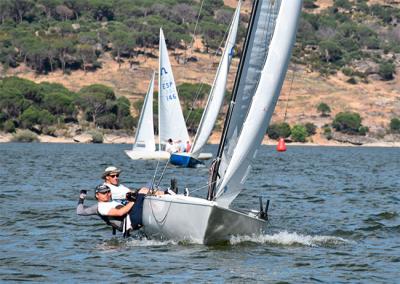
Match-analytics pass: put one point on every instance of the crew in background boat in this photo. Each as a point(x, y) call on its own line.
point(172, 146)
point(111, 179)
point(188, 146)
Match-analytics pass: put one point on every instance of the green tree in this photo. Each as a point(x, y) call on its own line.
point(94, 104)
point(122, 42)
point(324, 109)
point(347, 122)
point(395, 125)
point(12, 103)
point(34, 115)
point(330, 51)
point(59, 103)
point(100, 89)
point(279, 130)
point(299, 133)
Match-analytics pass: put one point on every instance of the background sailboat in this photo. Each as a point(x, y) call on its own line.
point(214, 101)
point(144, 147)
point(270, 37)
point(171, 123)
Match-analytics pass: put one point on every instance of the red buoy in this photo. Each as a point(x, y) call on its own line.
point(281, 145)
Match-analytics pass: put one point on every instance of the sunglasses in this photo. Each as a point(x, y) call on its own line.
point(113, 176)
point(105, 192)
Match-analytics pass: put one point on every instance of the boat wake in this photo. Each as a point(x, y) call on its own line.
point(291, 239)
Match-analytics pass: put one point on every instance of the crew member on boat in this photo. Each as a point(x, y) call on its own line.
point(172, 146)
point(111, 179)
point(133, 208)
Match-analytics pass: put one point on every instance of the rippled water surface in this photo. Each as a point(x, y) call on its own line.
point(334, 218)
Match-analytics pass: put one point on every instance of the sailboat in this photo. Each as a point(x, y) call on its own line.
point(144, 147)
point(171, 123)
point(269, 41)
point(214, 101)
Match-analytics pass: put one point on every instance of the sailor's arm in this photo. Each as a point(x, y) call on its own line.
point(83, 210)
point(86, 211)
point(121, 211)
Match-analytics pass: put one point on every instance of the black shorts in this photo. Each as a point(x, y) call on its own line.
point(137, 212)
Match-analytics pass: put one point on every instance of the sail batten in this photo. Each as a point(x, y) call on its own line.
point(258, 92)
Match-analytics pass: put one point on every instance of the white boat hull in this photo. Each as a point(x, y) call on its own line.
point(204, 156)
point(148, 155)
point(158, 155)
point(183, 218)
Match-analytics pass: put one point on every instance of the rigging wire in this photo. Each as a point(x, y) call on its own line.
point(209, 68)
point(290, 91)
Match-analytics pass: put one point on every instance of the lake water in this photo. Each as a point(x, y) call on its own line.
point(334, 218)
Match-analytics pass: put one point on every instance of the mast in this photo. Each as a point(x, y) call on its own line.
point(217, 161)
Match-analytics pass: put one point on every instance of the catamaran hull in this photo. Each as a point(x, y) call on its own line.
point(183, 218)
point(148, 155)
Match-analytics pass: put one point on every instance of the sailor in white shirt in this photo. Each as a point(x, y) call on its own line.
point(111, 179)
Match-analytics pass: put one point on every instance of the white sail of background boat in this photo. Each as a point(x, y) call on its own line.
point(214, 101)
point(270, 37)
point(144, 146)
point(170, 117)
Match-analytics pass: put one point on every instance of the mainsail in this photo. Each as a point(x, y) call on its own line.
point(170, 117)
point(144, 139)
point(217, 92)
point(257, 88)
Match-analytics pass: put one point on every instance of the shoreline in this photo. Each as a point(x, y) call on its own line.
point(213, 140)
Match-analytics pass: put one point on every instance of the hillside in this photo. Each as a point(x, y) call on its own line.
point(376, 101)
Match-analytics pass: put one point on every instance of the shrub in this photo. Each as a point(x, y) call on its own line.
point(386, 70)
point(311, 128)
point(395, 125)
point(352, 81)
point(279, 130)
point(97, 136)
point(363, 130)
point(25, 136)
point(299, 133)
point(324, 109)
point(9, 126)
point(347, 71)
point(107, 121)
point(347, 122)
point(128, 122)
point(327, 132)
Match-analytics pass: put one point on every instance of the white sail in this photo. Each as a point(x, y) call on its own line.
point(170, 117)
point(217, 92)
point(263, 102)
point(144, 139)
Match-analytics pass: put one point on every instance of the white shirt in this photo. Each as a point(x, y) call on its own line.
point(172, 148)
point(118, 192)
point(105, 207)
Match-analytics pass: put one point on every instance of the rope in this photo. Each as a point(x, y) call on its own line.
point(202, 82)
point(195, 26)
